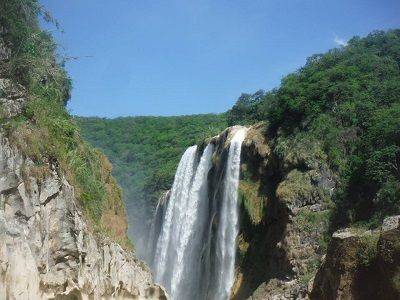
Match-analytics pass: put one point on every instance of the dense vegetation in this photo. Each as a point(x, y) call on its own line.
point(347, 104)
point(342, 107)
point(45, 132)
point(145, 152)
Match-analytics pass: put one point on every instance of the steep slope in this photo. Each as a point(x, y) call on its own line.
point(47, 248)
point(347, 100)
point(326, 157)
point(361, 264)
point(285, 201)
point(284, 217)
point(61, 211)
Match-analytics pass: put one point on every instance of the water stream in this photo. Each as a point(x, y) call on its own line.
point(191, 254)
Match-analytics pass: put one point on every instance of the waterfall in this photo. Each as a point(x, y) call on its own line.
point(188, 268)
point(192, 256)
point(229, 219)
point(171, 227)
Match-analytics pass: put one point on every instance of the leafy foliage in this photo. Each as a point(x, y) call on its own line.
point(366, 253)
point(33, 62)
point(145, 152)
point(246, 109)
point(348, 99)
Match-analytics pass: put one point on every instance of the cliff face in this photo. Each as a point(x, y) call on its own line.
point(284, 248)
point(284, 202)
point(285, 196)
point(46, 248)
point(361, 264)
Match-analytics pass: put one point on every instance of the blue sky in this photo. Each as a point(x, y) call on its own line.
point(184, 57)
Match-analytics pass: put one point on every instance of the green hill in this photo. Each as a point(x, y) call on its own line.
point(346, 101)
point(145, 152)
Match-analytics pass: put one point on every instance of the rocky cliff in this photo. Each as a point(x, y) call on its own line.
point(284, 200)
point(284, 242)
point(61, 212)
point(47, 249)
point(285, 248)
point(284, 193)
point(361, 264)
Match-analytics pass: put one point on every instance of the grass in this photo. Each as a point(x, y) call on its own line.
point(315, 222)
point(368, 249)
point(311, 268)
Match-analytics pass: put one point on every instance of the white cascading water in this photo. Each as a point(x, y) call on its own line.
point(187, 270)
point(192, 260)
point(165, 252)
point(229, 219)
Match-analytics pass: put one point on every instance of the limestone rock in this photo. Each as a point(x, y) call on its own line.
point(277, 289)
point(361, 264)
point(46, 248)
point(335, 277)
point(291, 187)
point(390, 223)
point(12, 98)
point(388, 258)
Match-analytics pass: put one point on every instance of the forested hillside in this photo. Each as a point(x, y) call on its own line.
point(145, 152)
point(323, 154)
point(344, 104)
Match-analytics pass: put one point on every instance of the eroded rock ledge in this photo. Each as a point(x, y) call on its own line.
point(46, 248)
point(361, 264)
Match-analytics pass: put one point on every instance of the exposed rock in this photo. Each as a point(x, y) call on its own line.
point(46, 248)
point(285, 196)
point(361, 264)
point(277, 289)
point(255, 143)
point(298, 189)
point(12, 98)
point(390, 223)
point(388, 258)
point(336, 276)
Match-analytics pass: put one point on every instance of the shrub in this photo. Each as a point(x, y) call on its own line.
point(368, 249)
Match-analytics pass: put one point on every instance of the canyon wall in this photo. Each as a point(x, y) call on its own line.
point(48, 248)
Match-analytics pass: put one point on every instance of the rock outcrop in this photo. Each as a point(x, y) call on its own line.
point(283, 253)
point(284, 205)
point(336, 279)
point(12, 98)
point(285, 193)
point(361, 264)
point(46, 248)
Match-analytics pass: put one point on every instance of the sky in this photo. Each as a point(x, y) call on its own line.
point(181, 57)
